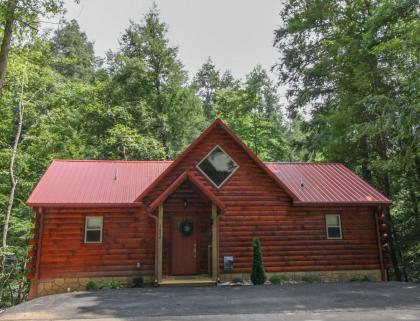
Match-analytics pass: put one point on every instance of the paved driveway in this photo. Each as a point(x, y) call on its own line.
point(328, 301)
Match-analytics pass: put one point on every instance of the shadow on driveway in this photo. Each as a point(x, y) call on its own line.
point(184, 301)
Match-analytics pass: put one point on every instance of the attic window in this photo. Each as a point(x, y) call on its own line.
point(217, 166)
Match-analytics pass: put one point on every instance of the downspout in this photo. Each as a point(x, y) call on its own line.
point(149, 214)
point(381, 259)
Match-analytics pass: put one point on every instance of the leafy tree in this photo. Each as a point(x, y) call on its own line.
point(174, 113)
point(74, 53)
point(253, 112)
point(208, 82)
point(126, 143)
point(19, 17)
point(30, 81)
point(339, 61)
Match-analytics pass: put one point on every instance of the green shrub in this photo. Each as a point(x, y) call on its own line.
point(107, 285)
point(91, 286)
point(138, 282)
point(364, 278)
point(258, 271)
point(310, 279)
point(275, 279)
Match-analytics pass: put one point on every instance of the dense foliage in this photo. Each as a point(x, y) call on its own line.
point(354, 67)
point(351, 69)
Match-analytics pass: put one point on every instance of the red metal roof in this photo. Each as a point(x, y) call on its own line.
point(95, 182)
point(120, 182)
point(320, 183)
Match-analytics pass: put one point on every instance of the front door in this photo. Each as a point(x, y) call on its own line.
point(184, 246)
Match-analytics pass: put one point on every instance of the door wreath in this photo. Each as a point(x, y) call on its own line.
point(186, 227)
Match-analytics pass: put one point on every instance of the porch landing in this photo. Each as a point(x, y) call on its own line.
point(193, 280)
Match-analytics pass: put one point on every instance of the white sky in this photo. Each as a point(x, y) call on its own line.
point(236, 34)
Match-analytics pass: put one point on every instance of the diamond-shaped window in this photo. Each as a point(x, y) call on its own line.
point(217, 166)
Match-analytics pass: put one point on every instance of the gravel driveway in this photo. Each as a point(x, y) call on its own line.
point(326, 301)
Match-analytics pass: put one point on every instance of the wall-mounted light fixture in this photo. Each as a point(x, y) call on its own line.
point(185, 202)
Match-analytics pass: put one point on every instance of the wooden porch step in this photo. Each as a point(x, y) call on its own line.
point(187, 281)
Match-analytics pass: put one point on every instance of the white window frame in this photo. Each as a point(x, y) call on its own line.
point(205, 175)
point(339, 227)
point(94, 229)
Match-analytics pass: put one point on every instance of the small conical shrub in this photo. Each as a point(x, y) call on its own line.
point(258, 271)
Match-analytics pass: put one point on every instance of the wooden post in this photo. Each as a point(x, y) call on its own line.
point(160, 244)
point(214, 244)
point(40, 230)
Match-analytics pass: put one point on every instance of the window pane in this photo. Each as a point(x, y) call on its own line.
point(217, 166)
point(93, 236)
point(334, 232)
point(333, 220)
point(94, 222)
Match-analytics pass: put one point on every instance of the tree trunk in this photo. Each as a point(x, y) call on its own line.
point(7, 39)
point(13, 180)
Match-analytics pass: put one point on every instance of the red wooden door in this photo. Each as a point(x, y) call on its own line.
point(184, 246)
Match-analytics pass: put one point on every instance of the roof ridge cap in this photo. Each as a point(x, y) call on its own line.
point(110, 161)
point(305, 163)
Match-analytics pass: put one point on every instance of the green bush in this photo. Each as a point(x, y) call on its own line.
point(310, 279)
point(138, 282)
point(258, 271)
point(275, 279)
point(107, 285)
point(364, 278)
point(91, 286)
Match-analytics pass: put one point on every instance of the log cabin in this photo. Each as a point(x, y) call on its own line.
point(191, 221)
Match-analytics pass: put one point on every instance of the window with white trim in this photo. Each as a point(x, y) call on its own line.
point(217, 166)
point(93, 229)
point(333, 226)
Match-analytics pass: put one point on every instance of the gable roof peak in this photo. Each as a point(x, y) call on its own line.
point(217, 123)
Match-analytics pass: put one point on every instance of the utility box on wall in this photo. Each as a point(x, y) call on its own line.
point(228, 263)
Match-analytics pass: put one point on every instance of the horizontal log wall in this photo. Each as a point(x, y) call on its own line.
point(293, 238)
point(128, 238)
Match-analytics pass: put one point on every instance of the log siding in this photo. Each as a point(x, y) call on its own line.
point(293, 238)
